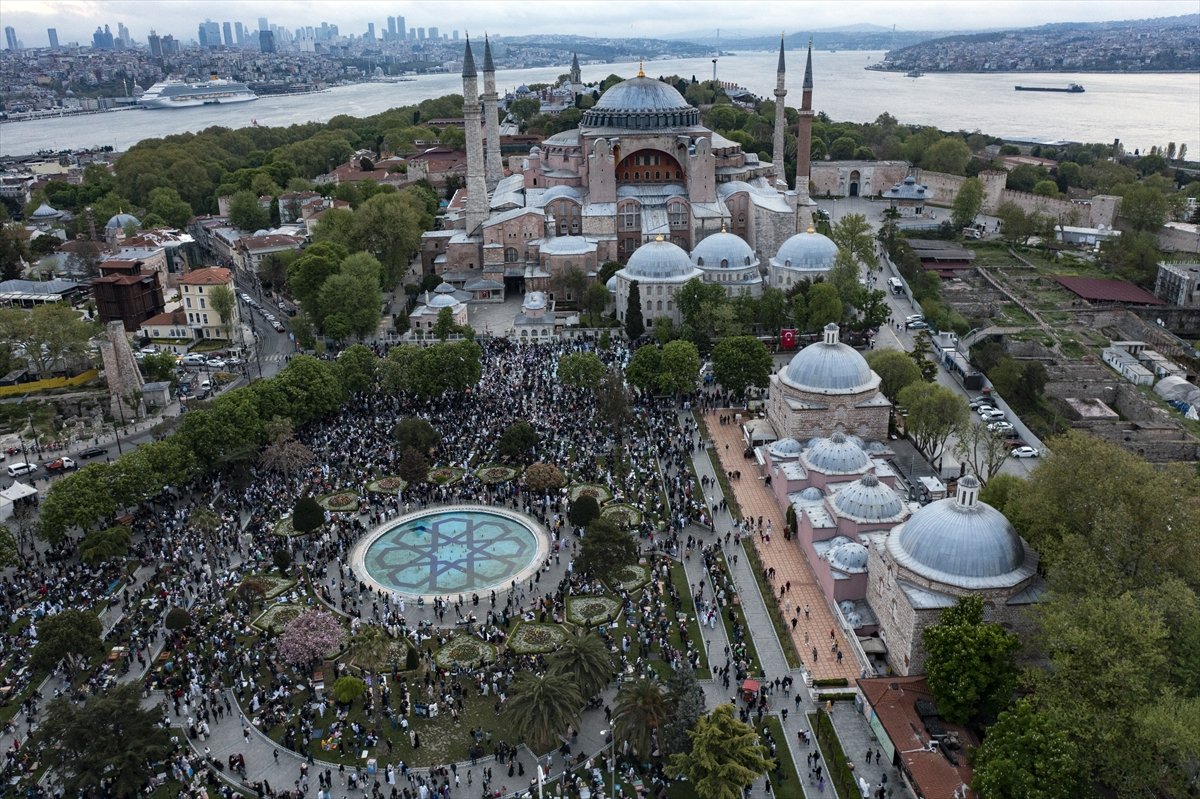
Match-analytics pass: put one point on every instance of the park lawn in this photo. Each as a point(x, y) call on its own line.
point(735, 510)
point(751, 652)
point(788, 785)
point(782, 631)
point(695, 633)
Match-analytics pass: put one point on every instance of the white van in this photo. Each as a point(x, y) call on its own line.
point(18, 469)
point(896, 285)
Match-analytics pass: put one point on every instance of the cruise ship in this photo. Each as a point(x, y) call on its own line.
point(180, 94)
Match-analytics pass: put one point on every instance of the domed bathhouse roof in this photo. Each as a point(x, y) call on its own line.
point(807, 252)
point(785, 448)
point(869, 500)
point(723, 251)
point(659, 260)
point(444, 288)
point(963, 542)
point(121, 220)
point(849, 557)
point(837, 455)
point(641, 103)
point(829, 367)
point(442, 300)
point(812, 494)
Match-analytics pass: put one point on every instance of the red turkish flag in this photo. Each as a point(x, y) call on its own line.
point(788, 338)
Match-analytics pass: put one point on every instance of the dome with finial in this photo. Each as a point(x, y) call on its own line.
point(723, 251)
point(809, 251)
point(829, 367)
point(44, 213)
point(641, 103)
point(868, 500)
point(122, 220)
point(659, 260)
point(837, 455)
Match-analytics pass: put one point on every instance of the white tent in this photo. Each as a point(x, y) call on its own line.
point(10, 495)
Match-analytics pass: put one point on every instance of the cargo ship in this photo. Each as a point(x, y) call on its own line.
point(179, 94)
point(1071, 88)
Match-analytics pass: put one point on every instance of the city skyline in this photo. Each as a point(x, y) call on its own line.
point(76, 20)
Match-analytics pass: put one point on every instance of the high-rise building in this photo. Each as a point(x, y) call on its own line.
point(433, 33)
point(371, 31)
point(262, 24)
point(10, 38)
point(52, 34)
point(123, 35)
point(421, 34)
point(227, 33)
point(266, 41)
point(400, 29)
point(454, 35)
point(102, 39)
point(169, 45)
point(209, 34)
point(391, 28)
point(239, 33)
point(155, 44)
point(412, 34)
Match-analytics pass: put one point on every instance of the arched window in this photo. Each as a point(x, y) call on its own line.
point(724, 263)
point(677, 214)
point(511, 256)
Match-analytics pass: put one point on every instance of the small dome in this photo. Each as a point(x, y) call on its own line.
point(611, 285)
point(44, 211)
point(444, 288)
point(641, 103)
point(829, 367)
point(850, 557)
point(812, 493)
point(535, 151)
point(854, 618)
point(836, 455)
point(442, 301)
point(807, 252)
point(785, 448)
point(723, 251)
point(535, 300)
point(658, 260)
point(959, 541)
point(868, 499)
point(122, 220)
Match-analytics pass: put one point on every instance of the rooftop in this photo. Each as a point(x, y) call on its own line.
point(1099, 289)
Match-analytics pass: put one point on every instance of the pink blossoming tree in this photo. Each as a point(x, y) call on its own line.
point(310, 635)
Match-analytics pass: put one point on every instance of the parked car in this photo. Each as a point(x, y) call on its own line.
point(205, 386)
point(978, 402)
point(21, 468)
point(193, 359)
point(916, 324)
point(217, 363)
point(60, 465)
point(279, 328)
point(1026, 452)
point(93, 452)
point(990, 414)
point(1001, 427)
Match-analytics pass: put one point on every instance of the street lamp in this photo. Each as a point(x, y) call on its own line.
point(612, 761)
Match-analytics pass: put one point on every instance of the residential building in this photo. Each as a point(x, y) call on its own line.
point(1179, 283)
point(195, 290)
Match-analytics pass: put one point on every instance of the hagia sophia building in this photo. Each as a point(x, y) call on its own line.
point(640, 182)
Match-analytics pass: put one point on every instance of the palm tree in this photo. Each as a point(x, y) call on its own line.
point(541, 707)
point(642, 707)
point(370, 648)
point(585, 658)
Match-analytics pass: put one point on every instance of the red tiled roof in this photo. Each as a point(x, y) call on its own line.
point(1107, 290)
point(207, 276)
point(176, 317)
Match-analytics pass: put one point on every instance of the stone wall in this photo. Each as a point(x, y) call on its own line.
point(833, 178)
point(825, 414)
point(1179, 237)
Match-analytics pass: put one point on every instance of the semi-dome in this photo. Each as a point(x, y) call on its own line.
point(807, 252)
point(723, 251)
point(837, 455)
point(850, 557)
point(785, 448)
point(641, 103)
point(122, 220)
point(556, 192)
point(829, 367)
point(961, 541)
point(868, 499)
point(659, 260)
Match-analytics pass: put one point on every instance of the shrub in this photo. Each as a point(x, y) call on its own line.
point(583, 511)
point(347, 689)
point(177, 619)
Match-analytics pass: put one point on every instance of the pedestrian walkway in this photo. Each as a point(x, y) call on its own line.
point(815, 631)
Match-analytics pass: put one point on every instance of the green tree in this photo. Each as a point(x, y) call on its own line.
point(389, 226)
point(1027, 754)
point(967, 203)
point(970, 663)
point(346, 689)
point(983, 451)
point(308, 515)
point(518, 442)
point(223, 300)
point(309, 272)
point(694, 296)
point(612, 399)
point(544, 477)
point(177, 620)
point(170, 207)
point(895, 369)
point(595, 299)
point(159, 367)
point(414, 467)
point(356, 368)
point(245, 212)
point(1016, 226)
point(109, 739)
point(852, 233)
point(920, 356)
point(644, 367)
point(52, 336)
point(370, 649)
point(14, 252)
point(68, 634)
point(741, 362)
point(1046, 188)
point(642, 708)
point(725, 758)
point(824, 306)
point(444, 325)
point(687, 706)
point(582, 370)
point(606, 550)
point(679, 368)
point(541, 707)
point(844, 277)
point(584, 657)
point(1133, 256)
point(949, 155)
point(583, 511)
point(100, 545)
point(418, 434)
point(10, 553)
point(934, 413)
point(634, 324)
point(1144, 208)
point(998, 489)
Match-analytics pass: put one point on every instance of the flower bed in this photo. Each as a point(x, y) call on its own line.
point(624, 515)
point(494, 473)
point(597, 492)
point(284, 528)
point(276, 617)
point(465, 651)
point(590, 611)
point(275, 585)
point(387, 485)
point(532, 638)
point(631, 578)
point(339, 501)
point(443, 475)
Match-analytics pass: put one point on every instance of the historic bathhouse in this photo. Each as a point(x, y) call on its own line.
point(639, 170)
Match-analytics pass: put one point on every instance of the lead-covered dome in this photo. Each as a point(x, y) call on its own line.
point(659, 260)
point(849, 557)
point(641, 103)
point(829, 367)
point(868, 499)
point(785, 448)
point(723, 251)
point(807, 252)
point(122, 220)
point(961, 541)
point(837, 455)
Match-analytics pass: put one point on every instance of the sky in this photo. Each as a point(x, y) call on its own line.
point(75, 20)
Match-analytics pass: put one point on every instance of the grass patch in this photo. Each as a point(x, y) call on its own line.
point(840, 776)
point(694, 630)
point(769, 597)
point(740, 617)
point(735, 510)
point(785, 780)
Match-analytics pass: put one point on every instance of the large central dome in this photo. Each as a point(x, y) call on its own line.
point(829, 367)
point(641, 103)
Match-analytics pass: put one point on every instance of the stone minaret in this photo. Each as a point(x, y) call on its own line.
point(780, 140)
point(491, 119)
point(477, 198)
point(804, 135)
point(576, 79)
